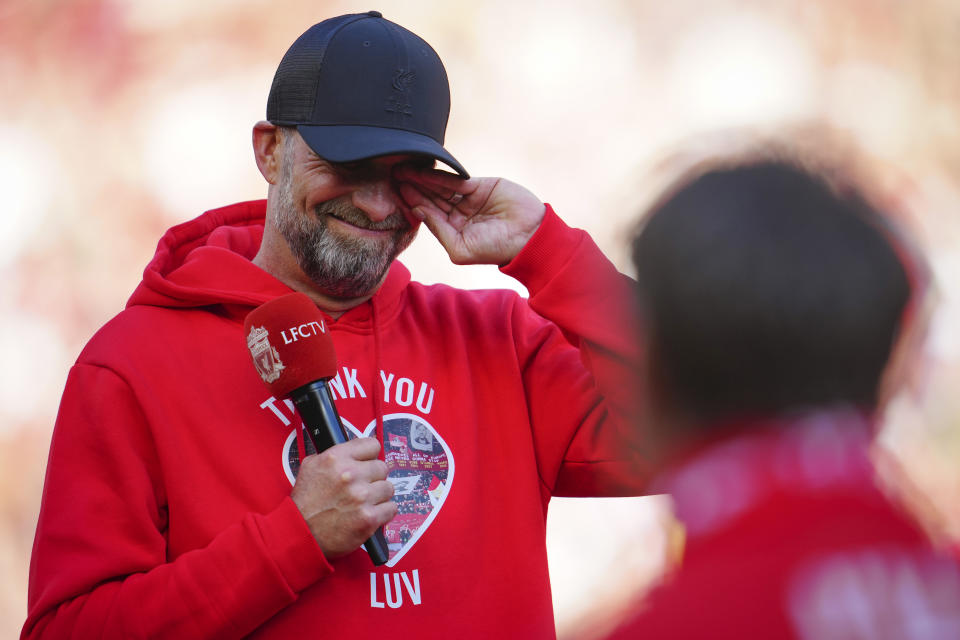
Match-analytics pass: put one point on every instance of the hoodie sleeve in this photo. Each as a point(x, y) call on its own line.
point(579, 400)
point(100, 567)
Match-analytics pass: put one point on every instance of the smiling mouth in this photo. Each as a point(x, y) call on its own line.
point(391, 224)
point(365, 228)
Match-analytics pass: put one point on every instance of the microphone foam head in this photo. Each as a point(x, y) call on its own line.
point(288, 341)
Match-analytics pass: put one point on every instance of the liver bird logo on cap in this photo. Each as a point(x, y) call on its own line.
point(403, 79)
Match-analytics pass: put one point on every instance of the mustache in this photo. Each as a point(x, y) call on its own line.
point(345, 211)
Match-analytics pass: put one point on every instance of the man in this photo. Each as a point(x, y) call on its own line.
point(771, 302)
point(176, 504)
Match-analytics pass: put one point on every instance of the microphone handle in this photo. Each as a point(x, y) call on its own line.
point(315, 405)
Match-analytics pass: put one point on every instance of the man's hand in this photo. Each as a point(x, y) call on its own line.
point(344, 495)
point(478, 221)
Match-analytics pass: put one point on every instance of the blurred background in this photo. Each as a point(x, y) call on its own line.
point(120, 118)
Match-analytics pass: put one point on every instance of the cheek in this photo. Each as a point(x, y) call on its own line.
point(313, 190)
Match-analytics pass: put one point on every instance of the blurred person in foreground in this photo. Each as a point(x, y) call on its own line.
point(773, 304)
point(180, 501)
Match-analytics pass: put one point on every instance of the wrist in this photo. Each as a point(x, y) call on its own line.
point(545, 252)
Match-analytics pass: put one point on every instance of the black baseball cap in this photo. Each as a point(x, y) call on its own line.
point(359, 86)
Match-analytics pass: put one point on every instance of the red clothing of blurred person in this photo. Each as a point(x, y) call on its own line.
point(788, 536)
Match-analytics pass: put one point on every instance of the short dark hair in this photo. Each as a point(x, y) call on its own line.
point(765, 289)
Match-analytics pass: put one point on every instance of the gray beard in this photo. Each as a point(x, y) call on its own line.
point(340, 266)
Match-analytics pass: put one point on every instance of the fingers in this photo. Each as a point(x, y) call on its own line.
point(374, 517)
point(380, 515)
point(362, 448)
point(442, 223)
point(356, 460)
point(421, 202)
point(381, 492)
point(434, 179)
point(439, 225)
point(432, 207)
point(413, 197)
point(344, 495)
point(429, 186)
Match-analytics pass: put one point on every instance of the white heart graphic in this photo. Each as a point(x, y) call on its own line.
point(421, 470)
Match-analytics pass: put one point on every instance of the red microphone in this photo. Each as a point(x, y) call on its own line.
point(294, 355)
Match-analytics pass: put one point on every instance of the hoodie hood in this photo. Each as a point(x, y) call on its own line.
point(208, 261)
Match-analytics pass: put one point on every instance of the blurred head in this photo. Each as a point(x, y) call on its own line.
point(764, 290)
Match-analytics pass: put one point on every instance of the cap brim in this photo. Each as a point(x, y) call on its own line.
point(349, 143)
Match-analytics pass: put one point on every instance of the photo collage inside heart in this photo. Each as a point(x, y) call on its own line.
point(421, 470)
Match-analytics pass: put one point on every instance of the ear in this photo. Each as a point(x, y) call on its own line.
point(266, 149)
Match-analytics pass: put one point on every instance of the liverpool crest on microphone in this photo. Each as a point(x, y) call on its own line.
point(266, 359)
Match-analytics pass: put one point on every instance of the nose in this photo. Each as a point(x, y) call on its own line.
point(376, 198)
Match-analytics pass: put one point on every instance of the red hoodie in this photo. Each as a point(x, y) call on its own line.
point(166, 509)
